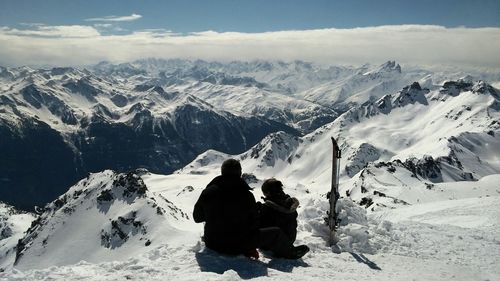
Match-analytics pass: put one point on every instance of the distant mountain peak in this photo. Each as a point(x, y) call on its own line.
point(387, 69)
point(61, 70)
point(390, 66)
point(454, 88)
point(484, 88)
point(411, 94)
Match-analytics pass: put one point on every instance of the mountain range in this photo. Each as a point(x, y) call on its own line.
point(113, 157)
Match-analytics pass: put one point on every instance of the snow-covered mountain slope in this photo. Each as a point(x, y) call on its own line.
point(260, 87)
point(415, 123)
point(296, 77)
point(301, 114)
point(68, 122)
point(329, 85)
point(290, 77)
point(105, 217)
point(367, 84)
point(415, 138)
point(227, 86)
point(68, 99)
point(286, 77)
point(13, 224)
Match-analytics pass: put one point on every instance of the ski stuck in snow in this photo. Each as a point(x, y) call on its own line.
point(334, 195)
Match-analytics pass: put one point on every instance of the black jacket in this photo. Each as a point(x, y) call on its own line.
point(229, 211)
point(280, 211)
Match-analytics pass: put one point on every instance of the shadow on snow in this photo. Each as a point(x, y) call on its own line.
point(363, 259)
point(210, 261)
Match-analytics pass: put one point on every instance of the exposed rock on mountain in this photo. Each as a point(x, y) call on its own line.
point(129, 218)
point(94, 123)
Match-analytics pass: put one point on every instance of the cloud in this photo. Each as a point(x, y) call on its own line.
point(407, 44)
point(132, 17)
point(103, 25)
point(108, 27)
point(40, 30)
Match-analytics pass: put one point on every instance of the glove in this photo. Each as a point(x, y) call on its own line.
point(252, 254)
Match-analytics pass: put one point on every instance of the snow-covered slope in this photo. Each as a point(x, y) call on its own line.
point(105, 217)
point(449, 233)
point(237, 86)
point(287, 77)
point(13, 224)
point(449, 237)
point(295, 112)
point(416, 138)
point(365, 84)
point(300, 94)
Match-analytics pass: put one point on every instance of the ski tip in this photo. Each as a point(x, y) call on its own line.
point(334, 141)
point(335, 144)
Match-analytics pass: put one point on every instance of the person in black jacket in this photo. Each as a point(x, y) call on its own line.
point(278, 209)
point(229, 210)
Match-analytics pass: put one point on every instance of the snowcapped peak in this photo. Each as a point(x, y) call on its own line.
point(467, 78)
point(23, 71)
point(390, 66)
point(454, 88)
point(61, 70)
point(273, 148)
point(384, 104)
point(411, 94)
point(484, 88)
point(103, 64)
point(205, 163)
point(6, 73)
point(154, 89)
point(388, 70)
point(121, 70)
point(302, 65)
point(263, 66)
point(107, 216)
point(414, 86)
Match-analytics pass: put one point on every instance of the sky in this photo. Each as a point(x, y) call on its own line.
point(59, 32)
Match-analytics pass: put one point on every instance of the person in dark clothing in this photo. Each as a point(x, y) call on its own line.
point(229, 210)
point(278, 209)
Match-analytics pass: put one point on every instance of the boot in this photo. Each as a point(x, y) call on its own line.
point(298, 252)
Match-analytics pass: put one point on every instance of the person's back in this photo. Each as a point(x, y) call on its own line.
point(229, 211)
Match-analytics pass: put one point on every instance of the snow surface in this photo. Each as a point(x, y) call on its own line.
point(12, 225)
point(449, 239)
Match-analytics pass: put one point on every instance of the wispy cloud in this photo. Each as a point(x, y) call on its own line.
point(108, 27)
point(41, 30)
point(132, 17)
point(408, 44)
